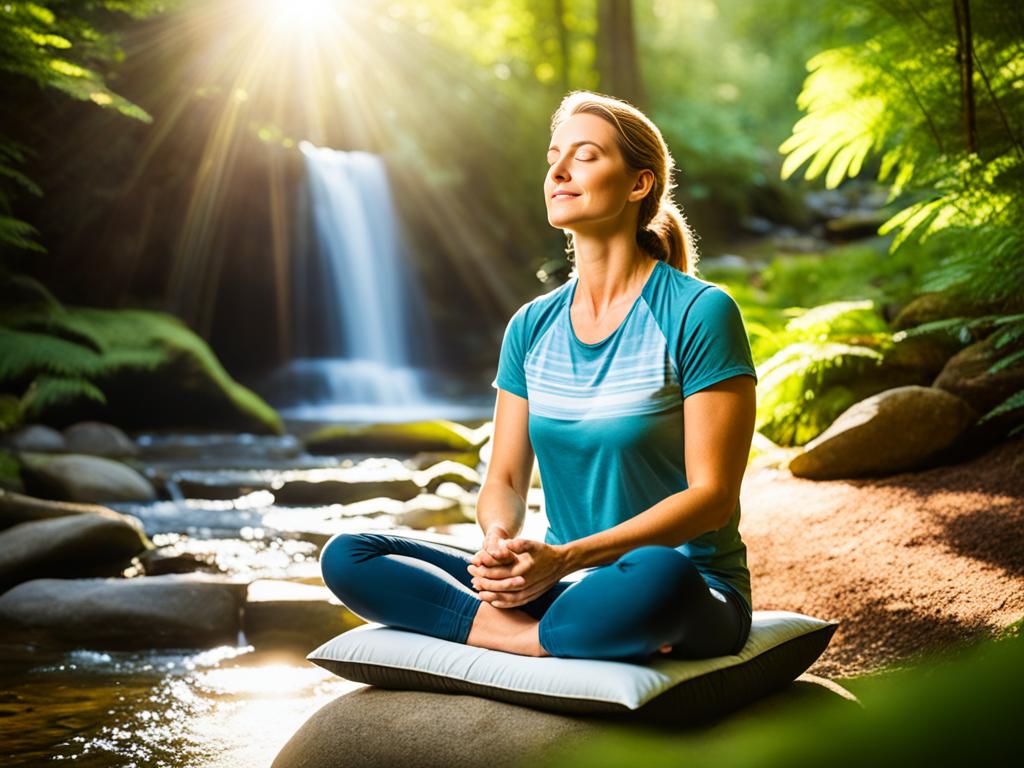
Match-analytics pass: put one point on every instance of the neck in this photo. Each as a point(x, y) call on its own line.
point(610, 275)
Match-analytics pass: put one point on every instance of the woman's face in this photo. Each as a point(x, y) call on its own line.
point(584, 161)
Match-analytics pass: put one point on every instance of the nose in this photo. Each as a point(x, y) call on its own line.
point(558, 170)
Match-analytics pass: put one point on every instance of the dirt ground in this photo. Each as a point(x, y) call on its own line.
point(907, 564)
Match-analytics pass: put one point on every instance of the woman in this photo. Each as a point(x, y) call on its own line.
point(633, 385)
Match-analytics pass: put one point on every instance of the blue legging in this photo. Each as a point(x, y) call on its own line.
point(628, 609)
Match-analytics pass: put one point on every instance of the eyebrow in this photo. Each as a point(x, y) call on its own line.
point(578, 143)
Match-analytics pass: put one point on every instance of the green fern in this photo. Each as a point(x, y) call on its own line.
point(963, 208)
point(47, 392)
point(806, 385)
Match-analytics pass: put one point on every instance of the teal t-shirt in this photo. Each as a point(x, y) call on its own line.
point(606, 419)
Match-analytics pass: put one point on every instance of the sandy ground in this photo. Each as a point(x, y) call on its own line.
point(907, 564)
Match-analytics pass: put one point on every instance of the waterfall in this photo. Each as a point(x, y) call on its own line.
point(362, 333)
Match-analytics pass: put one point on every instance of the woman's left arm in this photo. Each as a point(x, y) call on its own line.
point(718, 429)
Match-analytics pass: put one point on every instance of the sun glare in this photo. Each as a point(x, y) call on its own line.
point(299, 14)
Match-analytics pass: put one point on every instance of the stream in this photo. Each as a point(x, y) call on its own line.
point(229, 706)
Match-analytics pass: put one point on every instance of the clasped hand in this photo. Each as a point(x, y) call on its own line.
point(508, 572)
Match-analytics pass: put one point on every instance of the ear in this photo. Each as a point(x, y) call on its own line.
point(644, 183)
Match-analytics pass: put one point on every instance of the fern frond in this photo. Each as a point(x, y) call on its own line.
point(48, 391)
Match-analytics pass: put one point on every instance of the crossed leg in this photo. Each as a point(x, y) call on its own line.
point(650, 597)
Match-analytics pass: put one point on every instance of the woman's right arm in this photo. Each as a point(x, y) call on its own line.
point(501, 503)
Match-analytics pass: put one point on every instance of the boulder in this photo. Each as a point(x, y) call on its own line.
point(932, 306)
point(447, 471)
point(75, 477)
point(426, 459)
point(290, 615)
point(429, 510)
point(894, 431)
point(412, 437)
point(924, 353)
point(37, 438)
point(18, 508)
point(98, 438)
point(100, 544)
point(447, 730)
point(172, 611)
point(328, 491)
point(966, 375)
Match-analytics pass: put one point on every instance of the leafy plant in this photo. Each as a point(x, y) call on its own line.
point(949, 145)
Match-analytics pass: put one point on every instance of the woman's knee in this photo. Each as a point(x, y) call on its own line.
point(666, 565)
point(340, 555)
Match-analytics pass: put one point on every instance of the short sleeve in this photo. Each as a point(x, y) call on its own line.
point(714, 342)
point(511, 375)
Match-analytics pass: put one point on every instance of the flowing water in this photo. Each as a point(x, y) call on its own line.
point(230, 706)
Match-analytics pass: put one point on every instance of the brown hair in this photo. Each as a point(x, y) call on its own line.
point(662, 229)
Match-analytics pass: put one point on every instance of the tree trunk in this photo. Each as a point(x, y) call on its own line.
point(965, 61)
point(617, 64)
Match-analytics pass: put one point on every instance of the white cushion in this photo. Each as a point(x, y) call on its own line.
point(781, 646)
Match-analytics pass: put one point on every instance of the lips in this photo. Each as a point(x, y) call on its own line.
point(564, 195)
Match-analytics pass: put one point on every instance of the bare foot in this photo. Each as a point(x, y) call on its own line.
point(506, 629)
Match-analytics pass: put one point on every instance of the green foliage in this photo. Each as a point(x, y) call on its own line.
point(57, 45)
point(899, 93)
point(807, 384)
point(60, 356)
point(960, 708)
point(1007, 333)
point(10, 470)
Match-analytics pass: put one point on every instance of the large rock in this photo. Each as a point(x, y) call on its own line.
point(426, 459)
point(430, 510)
point(966, 375)
point(172, 611)
point(335, 491)
point(74, 477)
point(924, 353)
point(288, 614)
point(98, 438)
point(37, 438)
point(894, 431)
point(932, 306)
point(446, 730)
point(413, 437)
point(18, 508)
point(447, 472)
point(101, 544)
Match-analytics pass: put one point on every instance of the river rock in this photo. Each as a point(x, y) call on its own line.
point(429, 510)
point(925, 354)
point(98, 438)
point(75, 477)
point(857, 223)
point(894, 431)
point(101, 544)
point(411, 437)
point(37, 438)
point(425, 459)
point(172, 611)
point(932, 306)
point(288, 614)
point(18, 508)
point(319, 492)
point(447, 472)
point(966, 375)
point(454, 730)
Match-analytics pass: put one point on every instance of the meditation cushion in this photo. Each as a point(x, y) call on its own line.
point(781, 646)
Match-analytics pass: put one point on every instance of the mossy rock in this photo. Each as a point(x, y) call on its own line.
point(135, 368)
point(407, 437)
